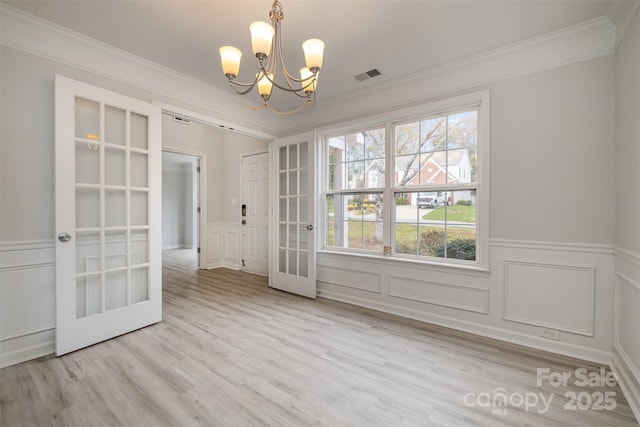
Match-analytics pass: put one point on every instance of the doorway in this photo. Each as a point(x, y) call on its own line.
point(181, 206)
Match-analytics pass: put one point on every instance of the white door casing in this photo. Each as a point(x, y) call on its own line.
point(255, 218)
point(293, 265)
point(107, 214)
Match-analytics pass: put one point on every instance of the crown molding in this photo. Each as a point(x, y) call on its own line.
point(580, 42)
point(28, 33)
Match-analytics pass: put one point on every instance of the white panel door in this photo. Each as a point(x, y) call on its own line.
point(108, 214)
point(293, 244)
point(255, 215)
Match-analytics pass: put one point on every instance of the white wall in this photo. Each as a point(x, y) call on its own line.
point(627, 215)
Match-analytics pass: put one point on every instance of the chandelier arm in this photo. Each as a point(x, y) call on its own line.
point(284, 113)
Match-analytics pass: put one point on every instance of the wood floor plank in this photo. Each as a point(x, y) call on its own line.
point(231, 351)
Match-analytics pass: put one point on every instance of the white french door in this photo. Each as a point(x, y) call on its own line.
point(293, 243)
point(255, 213)
point(108, 214)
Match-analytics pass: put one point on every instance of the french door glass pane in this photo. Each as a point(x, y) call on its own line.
point(304, 151)
point(87, 252)
point(293, 262)
point(87, 208)
point(139, 247)
point(87, 163)
point(115, 208)
point(88, 296)
point(303, 236)
point(115, 293)
point(139, 170)
point(282, 215)
point(139, 208)
point(282, 261)
point(139, 131)
point(293, 183)
point(304, 176)
point(282, 157)
point(282, 184)
point(292, 242)
point(139, 284)
point(116, 249)
point(293, 210)
point(304, 272)
point(282, 235)
point(304, 209)
point(115, 126)
point(293, 156)
point(87, 119)
point(115, 167)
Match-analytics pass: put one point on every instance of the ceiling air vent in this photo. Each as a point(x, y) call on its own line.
point(368, 75)
point(181, 120)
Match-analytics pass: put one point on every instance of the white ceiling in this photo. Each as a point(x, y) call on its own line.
point(399, 38)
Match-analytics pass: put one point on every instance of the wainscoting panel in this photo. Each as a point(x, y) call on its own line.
point(461, 297)
point(215, 248)
point(626, 360)
point(233, 246)
point(27, 300)
point(541, 295)
point(363, 280)
point(224, 245)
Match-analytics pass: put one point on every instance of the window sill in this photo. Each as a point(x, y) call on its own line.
point(392, 260)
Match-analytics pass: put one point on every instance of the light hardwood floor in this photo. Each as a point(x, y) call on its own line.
point(233, 352)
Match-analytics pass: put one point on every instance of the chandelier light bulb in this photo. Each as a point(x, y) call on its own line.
point(230, 58)
point(313, 50)
point(309, 81)
point(264, 85)
point(261, 38)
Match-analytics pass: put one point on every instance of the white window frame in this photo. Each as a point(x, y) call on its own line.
point(388, 119)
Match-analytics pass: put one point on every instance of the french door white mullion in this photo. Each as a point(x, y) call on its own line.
point(102, 164)
point(127, 183)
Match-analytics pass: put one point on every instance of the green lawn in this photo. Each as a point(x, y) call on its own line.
point(405, 233)
point(457, 213)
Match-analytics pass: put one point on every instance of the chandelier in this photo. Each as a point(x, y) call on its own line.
point(266, 42)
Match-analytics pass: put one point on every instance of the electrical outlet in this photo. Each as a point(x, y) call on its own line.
point(552, 334)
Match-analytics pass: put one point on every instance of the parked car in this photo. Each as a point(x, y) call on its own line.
point(431, 200)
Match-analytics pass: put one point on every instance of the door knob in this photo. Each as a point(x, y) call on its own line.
point(309, 227)
point(244, 222)
point(64, 237)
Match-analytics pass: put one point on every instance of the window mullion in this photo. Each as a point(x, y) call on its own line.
point(389, 178)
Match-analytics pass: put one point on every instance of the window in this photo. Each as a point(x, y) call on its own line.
point(411, 185)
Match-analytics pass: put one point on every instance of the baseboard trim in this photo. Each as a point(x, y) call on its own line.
point(630, 387)
point(28, 345)
point(566, 349)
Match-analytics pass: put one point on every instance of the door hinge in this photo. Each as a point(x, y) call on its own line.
point(198, 209)
point(243, 262)
point(198, 250)
point(198, 169)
